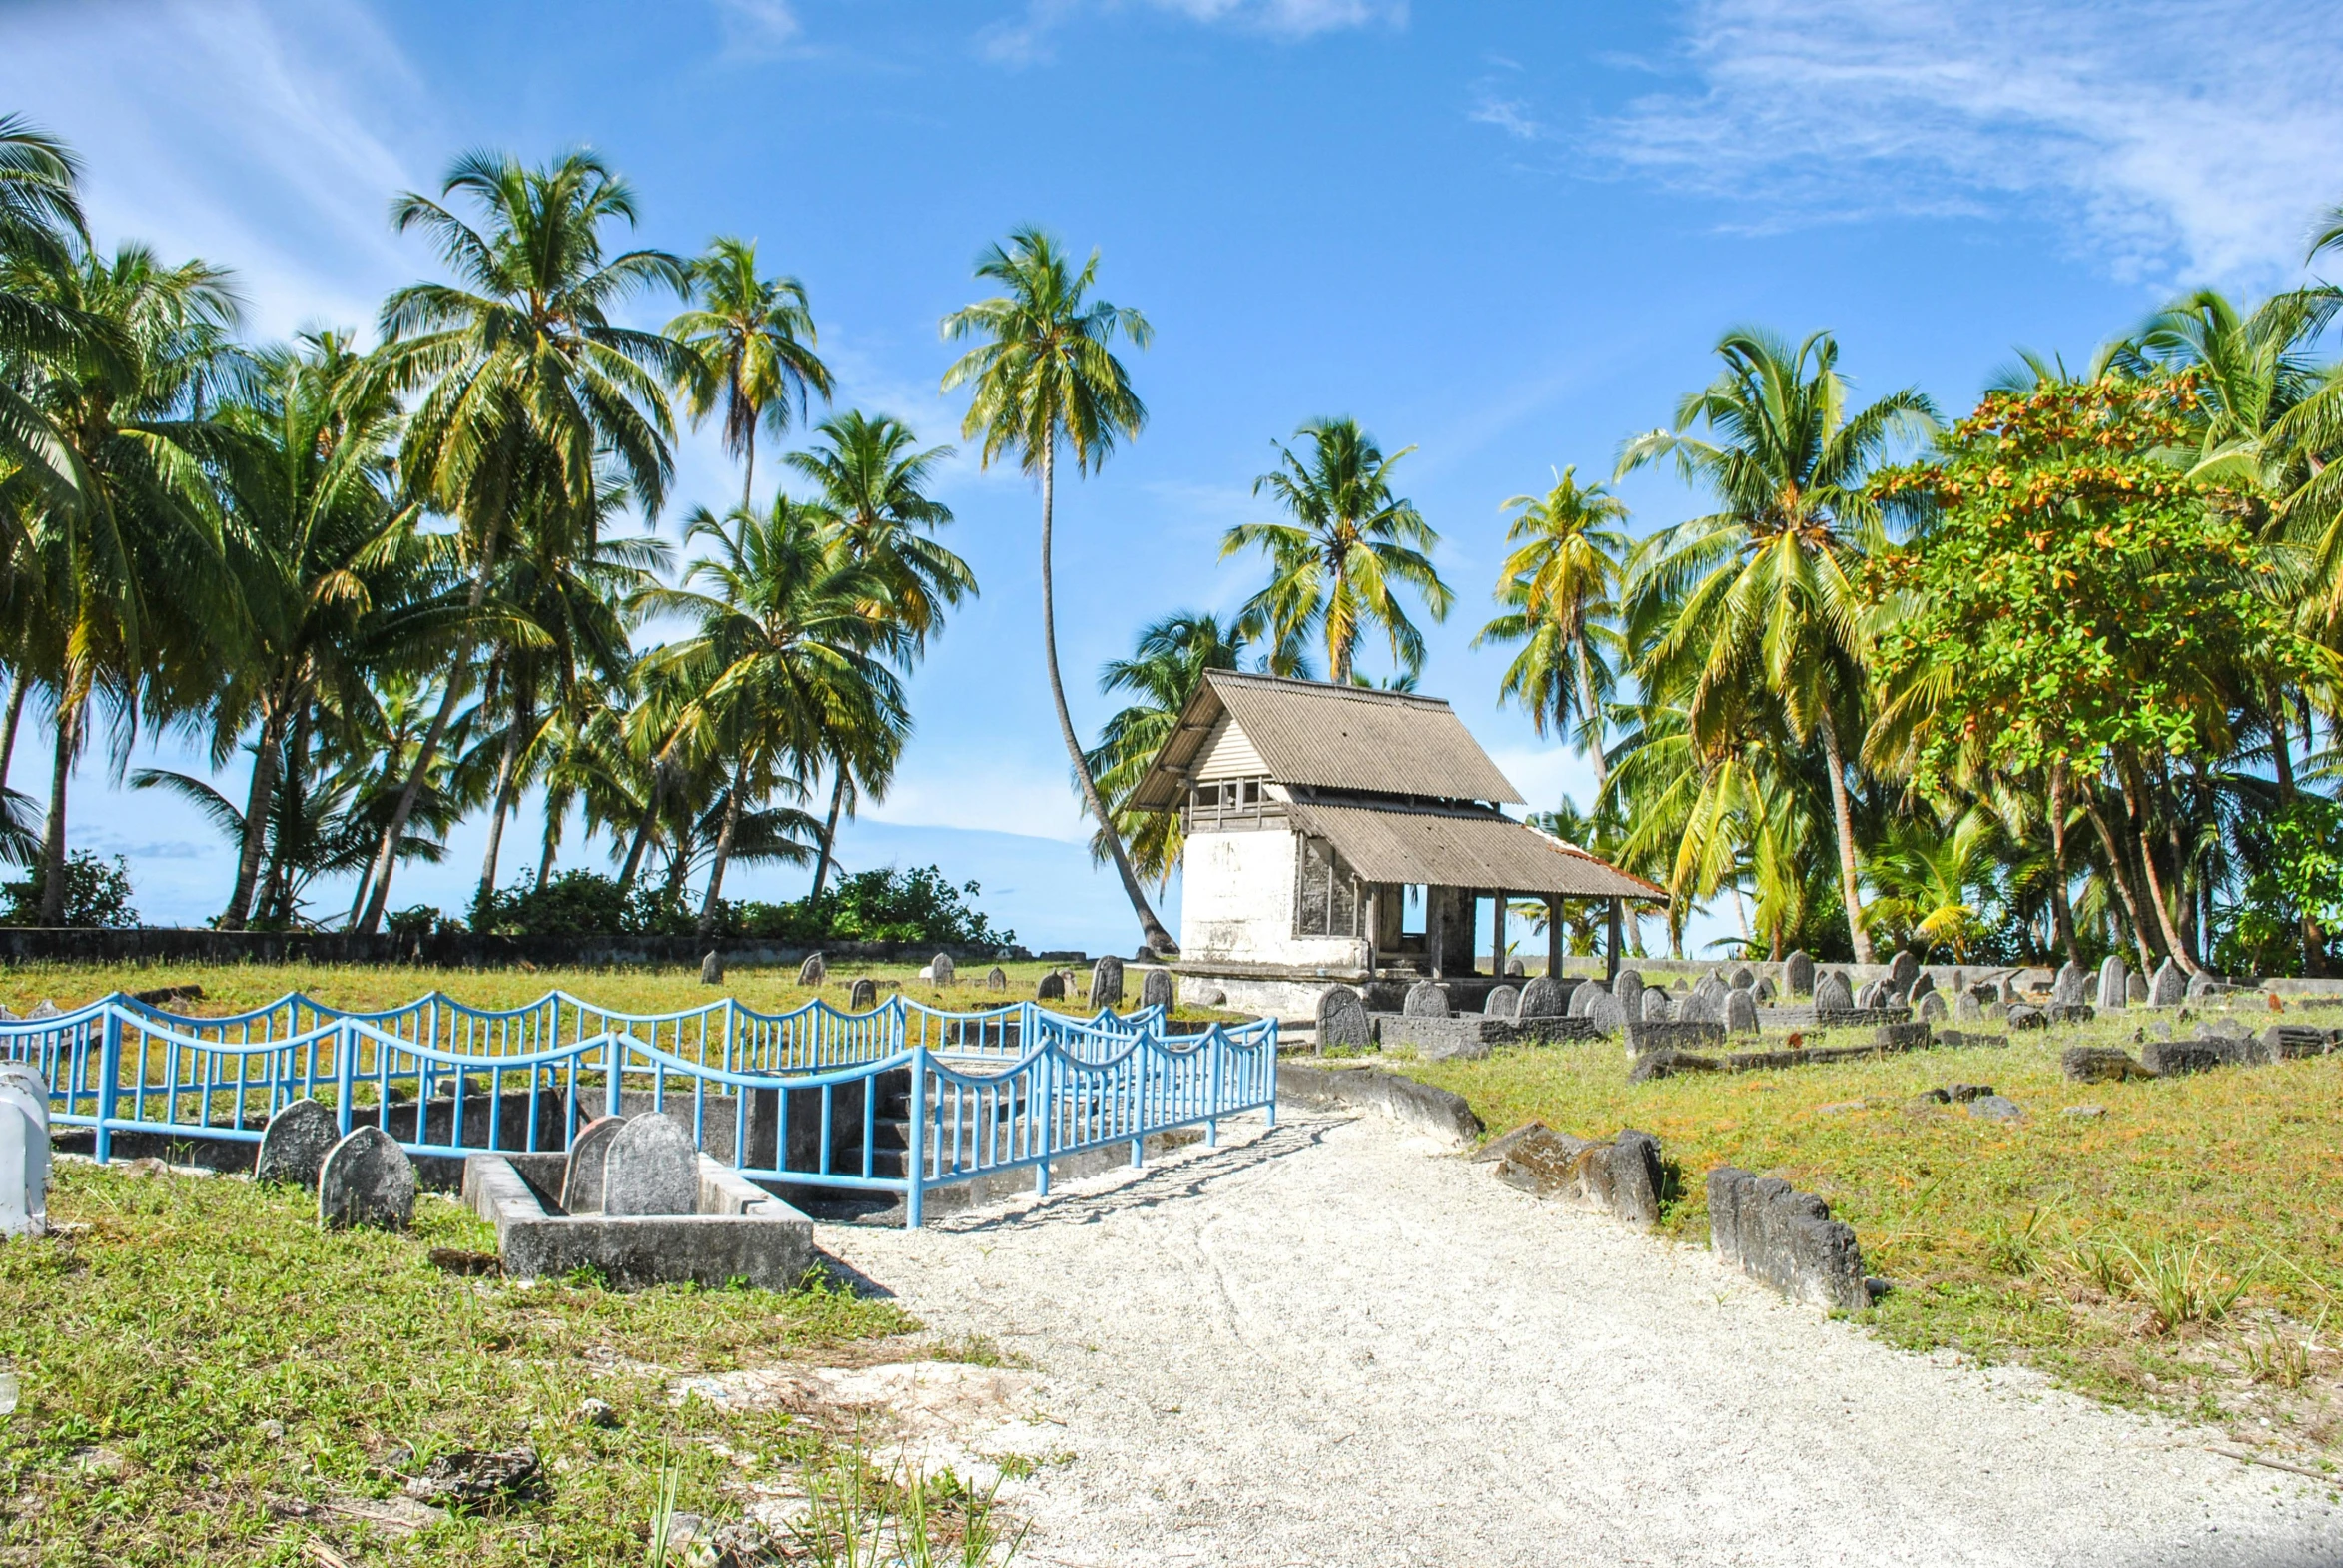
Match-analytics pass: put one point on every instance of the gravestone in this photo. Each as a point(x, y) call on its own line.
point(1584, 996)
point(1743, 977)
point(1967, 1008)
point(1106, 982)
point(2113, 992)
point(1515, 969)
point(1765, 991)
point(1628, 988)
point(2135, 991)
point(365, 1180)
point(2067, 990)
point(24, 1153)
point(939, 969)
point(1874, 993)
point(1544, 997)
point(1712, 991)
point(1902, 970)
point(1922, 986)
point(813, 971)
point(1050, 987)
point(863, 995)
point(295, 1142)
point(1700, 1008)
point(1155, 990)
point(1606, 1014)
point(1656, 1007)
point(1798, 973)
point(1831, 995)
point(581, 1172)
point(2170, 987)
point(1501, 1001)
point(996, 979)
point(1740, 1010)
point(44, 1009)
point(1932, 1008)
point(1342, 1019)
point(712, 969)
point(1427, 998)
point(651, 1168)
point(2007, 992)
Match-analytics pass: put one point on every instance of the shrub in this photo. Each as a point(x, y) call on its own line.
point(886, 905)
point(96, 894)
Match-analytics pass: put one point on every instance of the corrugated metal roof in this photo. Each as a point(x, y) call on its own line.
point(1463, 848)
point(1323, 736)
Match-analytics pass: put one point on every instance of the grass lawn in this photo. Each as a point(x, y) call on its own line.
point(2104, 1250)
point(209, 1378)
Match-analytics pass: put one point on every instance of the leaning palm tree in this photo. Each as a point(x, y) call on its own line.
point(1045, 376)
point(530, 391)
point(1755, 606)
point(41, 226)
point(752, 339)
point(1336, 569)
point(1163, 672)
point(1559, 589)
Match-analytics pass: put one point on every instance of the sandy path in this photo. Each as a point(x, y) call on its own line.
point(1333, 1345)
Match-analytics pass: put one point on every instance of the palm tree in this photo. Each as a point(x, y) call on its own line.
point(530, 390)
point(1757, 602)
point(1335, 569)
point(1045, 376)
point(1559, 587)
point(783, 657)
point(752, 339)
point(1163, 672)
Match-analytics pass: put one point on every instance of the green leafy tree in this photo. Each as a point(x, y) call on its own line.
point(753, 343)
point(1560, 587)
point(1163, 672)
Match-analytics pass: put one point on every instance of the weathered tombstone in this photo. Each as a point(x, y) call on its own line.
point(24, 1153)
point(1765, 991)
point(1050, 987)
point(813, 971)
point(1342, 1019)
point(1922, 986)
point(2067, 990)
point(2170, 987)
point(1515, 969)
point(1874, 993)
point(1798, 973)
point(996, 979)
point(365, 1180)
point(2135, 991)
point(2113, 993)
point(1106, 982)
point(939, 969)
point(295, 1144)
point(1701, 1007)
point(44, 1009)
point(1932, 1008)
point(1628, 988)
point(1902, 970)
point(651, 1168)
point(581, 1172)
point(863, 995)
point(1544, 997)
point(1740, 1010)
point(1712, 991)
point(1501, 1001)
point(1831, 995)
point(1427, 998)
point(1606, 1014)
point(2007, 992)
point(1656, 1007)
point(1967, 1008)
point(712, 969)
point(1743, 977)
point(1154, 989)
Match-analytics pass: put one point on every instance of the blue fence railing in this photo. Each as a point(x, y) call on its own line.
point(901, 1098)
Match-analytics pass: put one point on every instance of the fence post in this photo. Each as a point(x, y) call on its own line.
point(915, 1141)
point(1048, 1068)
point(1217, 1043)
point(1272, 1041)
point(109, 1084)
point(611, 1055)
point(345, 1041)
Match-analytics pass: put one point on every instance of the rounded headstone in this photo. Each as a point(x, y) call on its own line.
point(581, 1172)
point(1501, 1001)
point(1932, 1008)
point(1106, 982)
point(2135, 991)
point(1427, 998)
point(1740, 1010)
point(295, 1142)
point(712, 969)
point(1606, 1014)
point(1657, 1009)
point(1765, 991)
point(1583, 998)
point(813, 971)
point(1798, 973)
point(24, 1166)
point(1515, 969)
point(996, 979)
point(939, 969)
point(2067, 990)
point(2170, 987)
point(27, 1080)
point(1050, 987)
point(1628, 988)
point(44, 1009)
point(651, 1168)
point(862, 995)
point(365, 1180)
point(2114, 988)
point(1743, 977)
point(1902, 970)
point(1154, 989)
point(1342, 1019)
point(1874, 993)
point(1968, 1009)
point(1921, 985)
point(1831, 995)
point(1701, 1007)
point(1546, 996)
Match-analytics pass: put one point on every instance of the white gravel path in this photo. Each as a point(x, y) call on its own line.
point(1336, 1344)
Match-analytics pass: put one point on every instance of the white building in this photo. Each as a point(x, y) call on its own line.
point(1341, 834)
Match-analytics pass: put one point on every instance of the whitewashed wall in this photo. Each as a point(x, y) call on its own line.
point(1236, 904)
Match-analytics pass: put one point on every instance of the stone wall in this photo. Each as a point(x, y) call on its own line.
point(1784, 1238)
point(461, 950)
point(1237, 903)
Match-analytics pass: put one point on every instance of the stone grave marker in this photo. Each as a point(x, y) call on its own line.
point(863, 995)
point(1874, 993)
point(1502, 1002)
point(1547, 996)
point(1922, 986)
point(1932, 1008)
point(1765, 991)
point(1701, 1007)
point(365, 1180)
point(295, 1142)
point(2067, 990)
point(996, 979)
point(814, 970)
point(939, 969)
point(1606, 1013)
point(1106, 982)
point(1656, 1007)
point(1831, 995)
point(1740, 1010)
point(1050, 987)
point(1902, 970)
point(24, 1153)
point(651, 1168)
point(581, 1172)
point(1342, 1019)
point(1584, 996)
point(2135, 991)
point(1743, 977)
point(1628, 988)
point(1155, 990)
point(2114, 990)
point(1427, 998)
point(44, 1009)
point(2170, 987)
point(1515, 969)
point(712, 969)
point(1798, 973)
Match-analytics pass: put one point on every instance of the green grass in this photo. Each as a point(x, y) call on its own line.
point(204, 1374)
point(2179, 1251)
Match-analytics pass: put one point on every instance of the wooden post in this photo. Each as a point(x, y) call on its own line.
point(1554, 937)
point(1434, 931)
point(1497, 933)
point(1611, 960)
point(1374, 923)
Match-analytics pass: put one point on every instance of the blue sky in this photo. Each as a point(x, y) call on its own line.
point(1507, 234)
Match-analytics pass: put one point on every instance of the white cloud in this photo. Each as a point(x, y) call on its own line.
point(1014, 796)
point(758, 29)
point(2196, 137)
point(1026, 38)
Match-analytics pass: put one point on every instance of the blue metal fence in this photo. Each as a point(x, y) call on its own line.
point(901, 1098)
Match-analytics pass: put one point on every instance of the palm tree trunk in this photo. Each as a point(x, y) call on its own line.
point(708, 908)
point(643, 827)
point(1338, 644)
point(1151, 929)
point(256, 825)
point(2281, 752)
point(1593, 715)
point(22, 684)
point(829, 834)
point(2119, 872)
point(497, 809)
point(1843, 820)
point(2061, 908)
point(555, 810)
point(53, 833)
point(748, 470)
point(2155, 886)
point(271, 903)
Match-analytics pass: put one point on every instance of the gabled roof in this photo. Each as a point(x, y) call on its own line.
point(1323, 736)
point(1461, 847)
